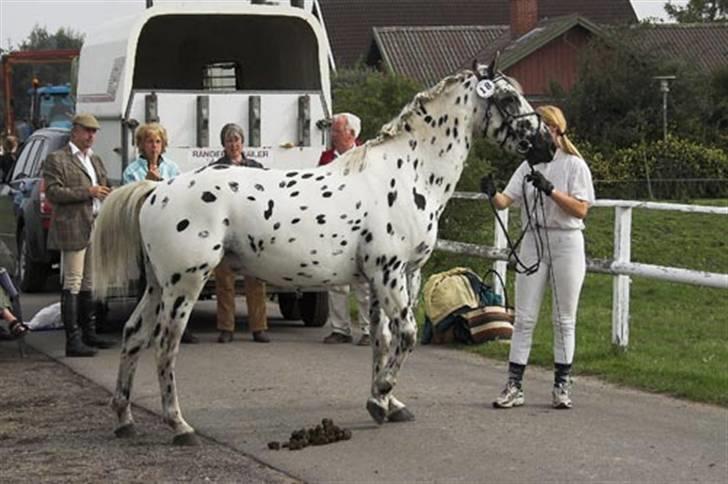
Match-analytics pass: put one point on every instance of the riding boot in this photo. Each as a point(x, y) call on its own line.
point(87, 321)
point(69, 315)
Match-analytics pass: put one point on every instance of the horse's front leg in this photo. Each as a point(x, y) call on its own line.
point(177, 306)
point(135, 338)
point(394, 341)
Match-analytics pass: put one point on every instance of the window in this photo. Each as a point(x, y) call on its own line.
point(221, 76)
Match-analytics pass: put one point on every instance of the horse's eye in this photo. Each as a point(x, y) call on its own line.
point(510, 104)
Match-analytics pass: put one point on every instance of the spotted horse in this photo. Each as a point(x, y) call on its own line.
point(371, 215)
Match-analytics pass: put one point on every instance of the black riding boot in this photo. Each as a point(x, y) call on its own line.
point(69, 315)
point(87, 321)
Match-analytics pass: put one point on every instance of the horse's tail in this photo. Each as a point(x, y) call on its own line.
point(117, 243)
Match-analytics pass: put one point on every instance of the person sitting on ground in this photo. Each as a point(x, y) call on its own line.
point(16, 328)
point(151, 140)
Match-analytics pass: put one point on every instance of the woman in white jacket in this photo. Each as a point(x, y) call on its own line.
point(555, 196)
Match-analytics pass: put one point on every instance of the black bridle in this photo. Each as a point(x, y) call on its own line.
point(523, 146)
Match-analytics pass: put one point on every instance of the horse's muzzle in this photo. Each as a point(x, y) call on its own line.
point(542, 149)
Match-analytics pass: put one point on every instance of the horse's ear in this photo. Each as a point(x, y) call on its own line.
point(493, 65)
point(476, 68)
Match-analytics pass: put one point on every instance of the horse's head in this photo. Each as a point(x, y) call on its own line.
point(507, 118)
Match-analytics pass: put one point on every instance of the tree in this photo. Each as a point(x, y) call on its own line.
point(374, 96)
point(697, 11)
point(616, 101)
point(40, 39)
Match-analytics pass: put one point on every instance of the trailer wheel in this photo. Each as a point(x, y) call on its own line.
point(314, 308)
point(288, 304)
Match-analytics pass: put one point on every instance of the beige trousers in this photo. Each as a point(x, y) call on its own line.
point(254, 297)
point(77, 274)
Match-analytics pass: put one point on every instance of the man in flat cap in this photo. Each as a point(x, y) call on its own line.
point(76, 184)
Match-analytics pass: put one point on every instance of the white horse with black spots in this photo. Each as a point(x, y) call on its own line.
point(371, 215)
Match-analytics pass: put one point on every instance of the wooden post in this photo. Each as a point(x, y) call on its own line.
point(620, 296)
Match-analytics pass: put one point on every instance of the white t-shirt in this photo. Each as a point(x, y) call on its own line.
point(85, 159)
point(569, 174)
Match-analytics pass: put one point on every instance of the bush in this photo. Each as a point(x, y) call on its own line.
point(673, 169)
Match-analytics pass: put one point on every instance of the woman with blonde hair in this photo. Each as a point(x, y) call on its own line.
point(554, 197)
point(151, 140)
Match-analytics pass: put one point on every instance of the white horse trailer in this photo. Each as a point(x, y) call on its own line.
point(196, 66)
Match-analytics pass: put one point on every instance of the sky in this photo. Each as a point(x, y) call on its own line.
point(17, 17)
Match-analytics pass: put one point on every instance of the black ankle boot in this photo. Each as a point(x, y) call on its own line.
point(87, 321)
point(69, 315)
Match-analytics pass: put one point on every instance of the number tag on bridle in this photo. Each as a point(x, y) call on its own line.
point(485, 88)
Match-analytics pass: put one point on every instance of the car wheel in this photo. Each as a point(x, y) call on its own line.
point(288, 304)
point(314, 308)
point(31, 276)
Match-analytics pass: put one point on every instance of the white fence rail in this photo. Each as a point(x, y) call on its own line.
point(620, 265)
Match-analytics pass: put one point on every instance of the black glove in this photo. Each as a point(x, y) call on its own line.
point(540, 182)
point(487, 185)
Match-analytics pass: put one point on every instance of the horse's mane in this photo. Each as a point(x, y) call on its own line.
point(355, 160)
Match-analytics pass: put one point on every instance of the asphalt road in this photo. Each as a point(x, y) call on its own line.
point(245, 395)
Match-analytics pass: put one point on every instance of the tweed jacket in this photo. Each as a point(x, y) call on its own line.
point(67, 185)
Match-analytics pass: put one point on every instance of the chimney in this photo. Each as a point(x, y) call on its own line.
point(524, 17)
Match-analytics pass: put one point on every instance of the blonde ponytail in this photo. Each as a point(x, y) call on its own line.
point(554, 118)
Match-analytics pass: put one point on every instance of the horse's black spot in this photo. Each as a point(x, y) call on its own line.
point(294, 194)
point(465, 99)
point(203, 234)
point(455, 133)
point(432, 178)
point(216, 247)
point(226, 222)
point(407, 127)
point(307, 175)
point(276, 226)
point(344, 243)
point(295, 220)
point(391, 197)
point(291, 183)
point(390, 230)
point(233, 186)
point(413, 144)
point(200, 170)
point(165, 200)
point(447, 132)
point(399, 162)
point(267, 214)
point(428, 118)
point(259, 187)
point(358, 205)
point(182, 224)
point(291, 173)
point(432, 141)
point(447, 188)
point(153, 199)
point(457, 100)
point(326, 194)
point(157, 330)
point(251, 198)
point(368, 238)
point(208, 197)
point(341, 187)
point(321, 219)
point(177, 304)
point(416, 163)
point(175, 278)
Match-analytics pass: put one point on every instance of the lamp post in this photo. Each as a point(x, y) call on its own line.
point(664, 89)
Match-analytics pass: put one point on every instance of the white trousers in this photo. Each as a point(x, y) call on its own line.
point(563, 267)
point(339, 315)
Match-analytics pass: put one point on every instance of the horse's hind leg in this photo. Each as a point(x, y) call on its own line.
point(393, 343)
point(135, 338)
point(177, 304)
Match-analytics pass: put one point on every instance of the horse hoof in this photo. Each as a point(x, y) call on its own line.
point(188, 439)
point(376, 411)
point(401, 415)
point(125, 431)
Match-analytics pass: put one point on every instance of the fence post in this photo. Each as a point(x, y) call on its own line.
point(500, 242)
point(620, 291)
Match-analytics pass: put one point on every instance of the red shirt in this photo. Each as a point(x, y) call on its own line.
point(330, 155)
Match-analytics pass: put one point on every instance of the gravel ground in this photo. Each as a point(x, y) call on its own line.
point(56, 426)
